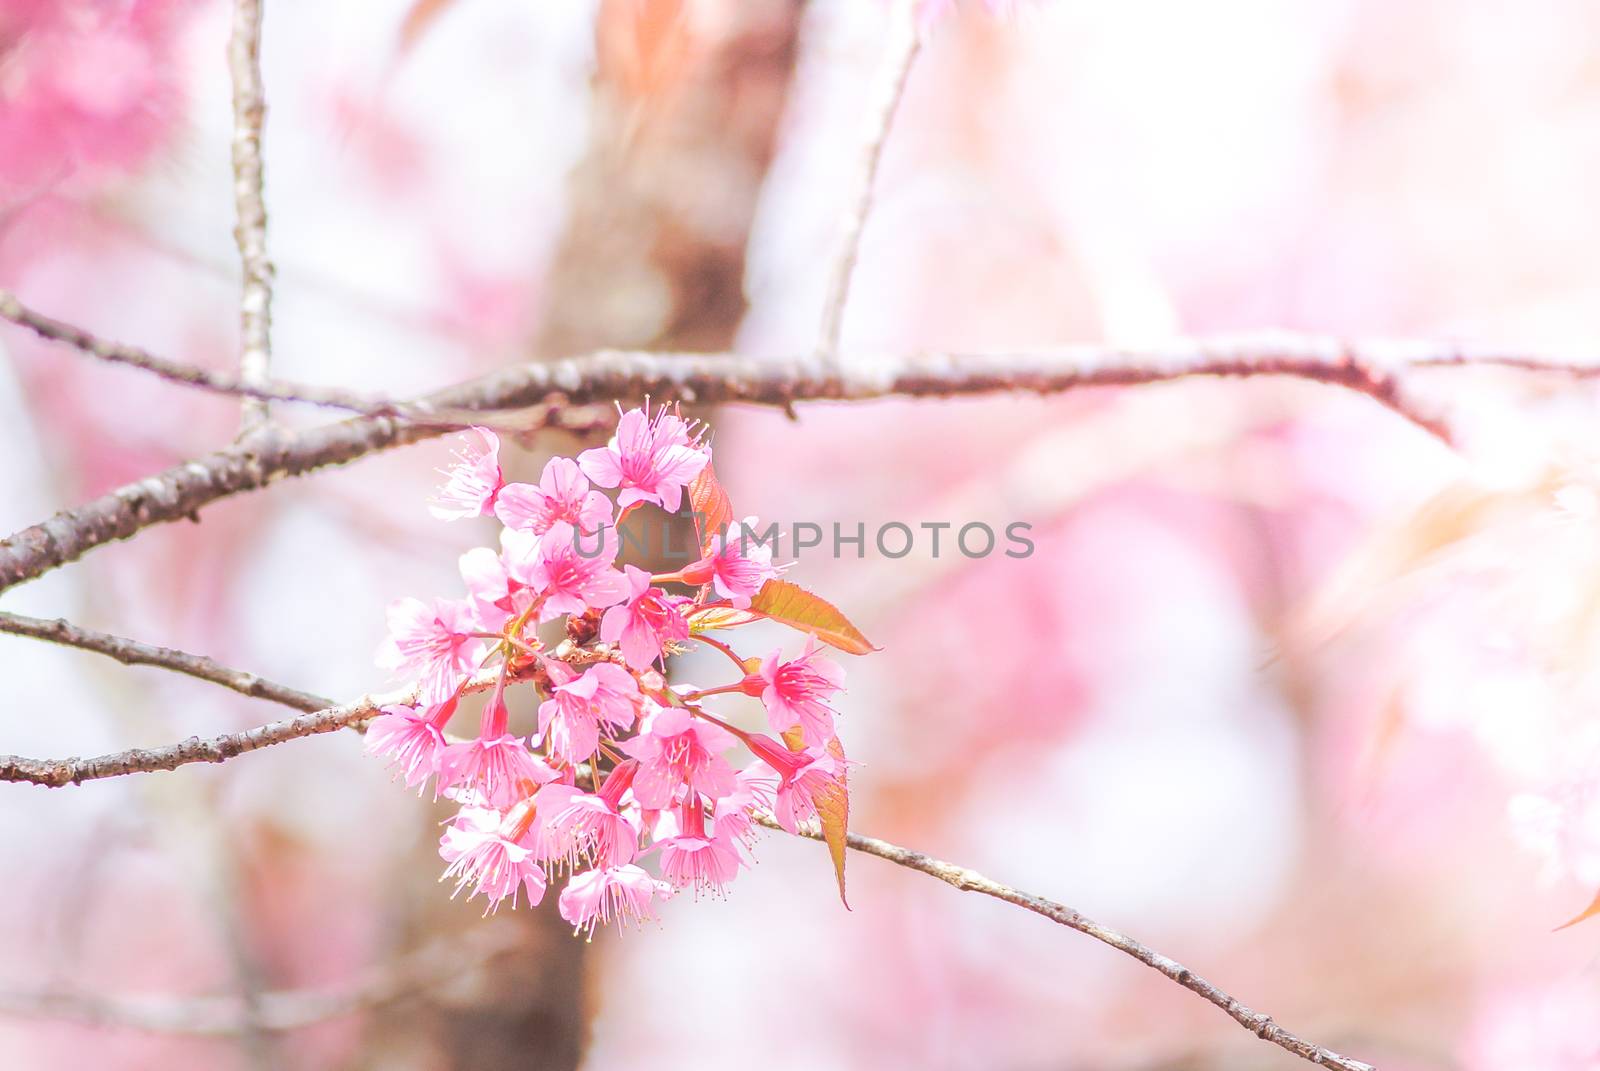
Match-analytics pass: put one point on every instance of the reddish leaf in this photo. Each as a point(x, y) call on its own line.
point(712, 510)
point(710, 617)
point(1588, 913)
point(796, 607)
point(833, 809)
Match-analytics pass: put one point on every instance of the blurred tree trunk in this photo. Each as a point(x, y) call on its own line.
point(686, 105)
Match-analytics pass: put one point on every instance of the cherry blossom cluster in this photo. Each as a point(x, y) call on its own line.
point(628, 789)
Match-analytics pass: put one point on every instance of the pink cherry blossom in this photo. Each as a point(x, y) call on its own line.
point(595, 897)
point(705, 862)
point(739, 563)
point(591, 826)
point(645, 623)
point(496, 768)
point(432, 644)
point(794, 693)
point(756, 787)
point(652, 459)
point(676, 752)
point(570, 722)
point(483, 850)
point(574, 573)
point(561, 495)
point(490, 589)
point(413, 741)
point(804, 777)
point(473, 482)
point(523, 817)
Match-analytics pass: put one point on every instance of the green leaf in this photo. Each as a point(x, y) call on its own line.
point(792, 605)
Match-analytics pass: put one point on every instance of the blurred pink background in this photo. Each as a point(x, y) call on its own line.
point(1289, 690)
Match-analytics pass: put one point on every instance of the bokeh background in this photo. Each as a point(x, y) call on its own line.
point(1289, 690)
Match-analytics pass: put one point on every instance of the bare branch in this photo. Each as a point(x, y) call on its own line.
point(134, 653)
point(904, 42)
point(250, 233)
point(189, 375)
point(72, 771)
point(278, 1011)
point(419, 412)
point(272, 453)
point(266, 1009)
point(1257, 1023)
point(57, 773)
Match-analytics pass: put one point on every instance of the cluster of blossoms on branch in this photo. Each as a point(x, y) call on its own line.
point(629, 788)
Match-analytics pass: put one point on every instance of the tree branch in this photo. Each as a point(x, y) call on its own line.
point(250, 233)
point(901, 50)
point(62, 772)
point(264, 390)
point(58, 773)
point(1257, 1023)
point(271, 453)
point(134, 653)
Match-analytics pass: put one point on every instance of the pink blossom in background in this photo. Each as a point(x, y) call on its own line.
point(88, 88)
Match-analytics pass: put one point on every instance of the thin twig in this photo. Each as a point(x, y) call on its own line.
point(225, 383)
point(57, 773)
point(900, 52)
point(62, 772)
point(231, 385)
point(134, 653)
point(277, 1011)
point(1257, 1023)
point(72, 771)
point(250, 232)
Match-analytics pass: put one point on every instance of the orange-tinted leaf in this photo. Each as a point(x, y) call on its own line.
point(710, 617)
point(1588, 913)
point(833, 809)
point(712, 510)
point(796, 607)
point(795, 739)
point(646, 48)
point(420, 17)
